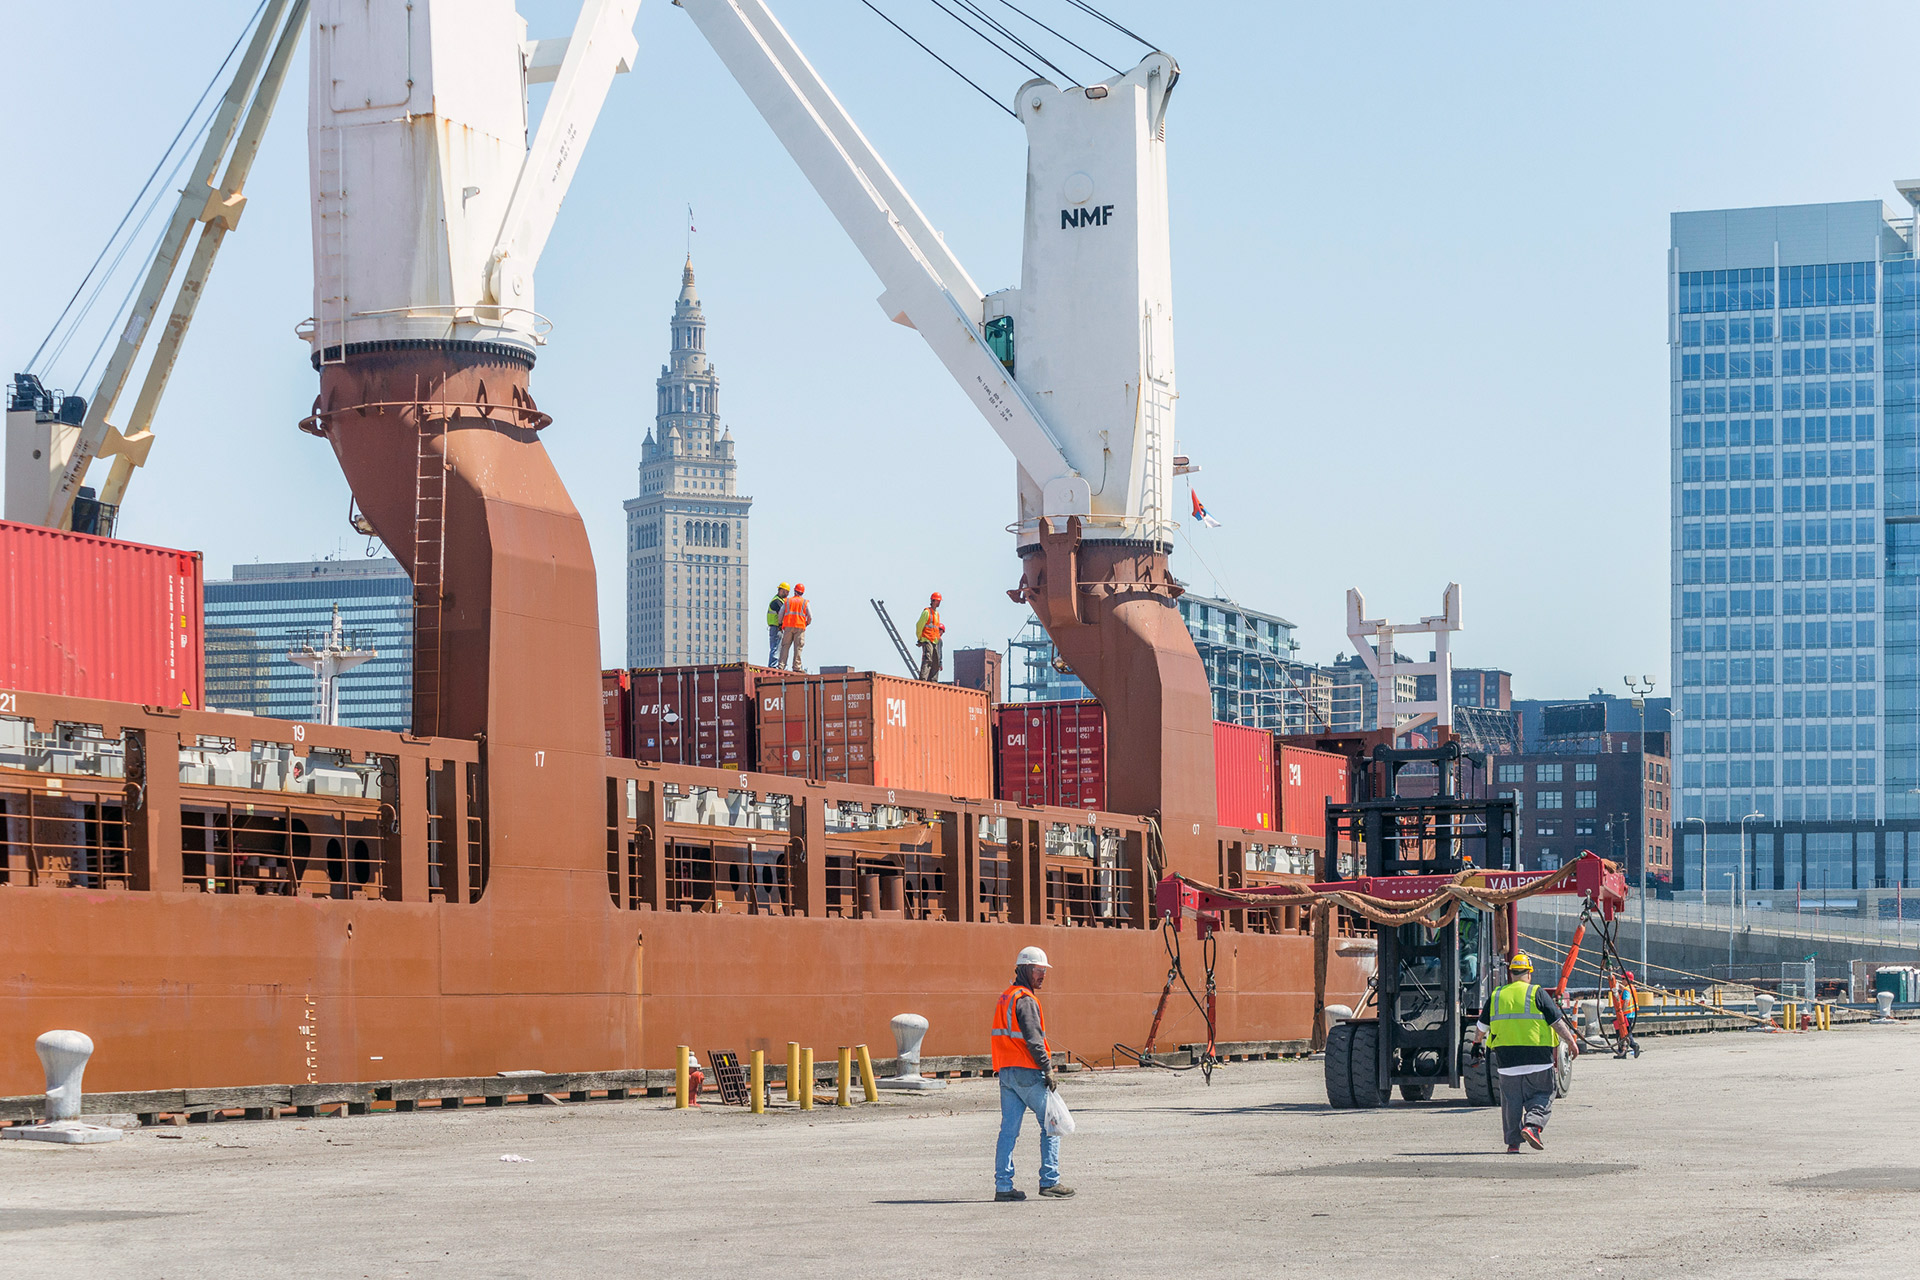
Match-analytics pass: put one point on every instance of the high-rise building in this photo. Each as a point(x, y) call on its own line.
point(1795, 344)
point(687, 530)
point(256, 618)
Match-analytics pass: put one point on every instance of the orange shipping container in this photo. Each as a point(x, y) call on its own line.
point(1243, 776)
point(1308, 782)
point(875, 730)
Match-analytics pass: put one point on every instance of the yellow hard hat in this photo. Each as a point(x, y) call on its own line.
point(785, 587)
point(1521, 963)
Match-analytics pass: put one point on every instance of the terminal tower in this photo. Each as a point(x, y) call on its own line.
point(687, 529)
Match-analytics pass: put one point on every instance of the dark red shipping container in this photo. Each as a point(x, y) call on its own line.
point(1052, 753)
point(616, 707)
point(700, 715)
point(876, 730)
point(91, 617)
point(1243, 776)
point(1307, 782)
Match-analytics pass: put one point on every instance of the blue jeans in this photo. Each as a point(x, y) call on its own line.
point(773, 645)
point(1022, 1089)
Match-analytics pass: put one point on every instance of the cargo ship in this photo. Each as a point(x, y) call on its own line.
point(223, 900)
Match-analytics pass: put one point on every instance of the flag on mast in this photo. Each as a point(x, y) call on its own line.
point(1200, 512)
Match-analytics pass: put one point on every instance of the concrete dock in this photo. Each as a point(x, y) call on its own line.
point(1748, 1155)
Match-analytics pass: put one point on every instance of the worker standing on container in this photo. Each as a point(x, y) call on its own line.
point(794, 619)
point(928, 633)
point(1023, 1061)
point(1526, 1020)
point(776, 610)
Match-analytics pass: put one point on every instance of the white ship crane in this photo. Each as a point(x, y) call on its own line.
point(1081, 386)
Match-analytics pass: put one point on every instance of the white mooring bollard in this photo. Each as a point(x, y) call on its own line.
point(1763, 1005)
point(909, 1029)
point(1885, 1000)
point(1337, 1014)
point(64, 1054)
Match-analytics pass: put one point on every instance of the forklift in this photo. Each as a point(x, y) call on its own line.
point(1422, 817)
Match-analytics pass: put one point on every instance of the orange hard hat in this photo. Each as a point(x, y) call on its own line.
point(936, 597)
point(799, 588)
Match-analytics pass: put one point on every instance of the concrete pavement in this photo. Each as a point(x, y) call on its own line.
point(1728, 1155)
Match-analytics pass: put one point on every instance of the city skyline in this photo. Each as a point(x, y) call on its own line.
point(1284, 277)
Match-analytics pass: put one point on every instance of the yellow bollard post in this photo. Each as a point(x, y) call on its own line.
point(793, 1071)
point(682, 1082)
point(1792, 1021)
point(846, 1083)
point(759, 1082)
point(867, 1083)
point(806, 1079)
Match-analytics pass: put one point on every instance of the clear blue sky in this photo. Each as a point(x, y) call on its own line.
point(1432, 230)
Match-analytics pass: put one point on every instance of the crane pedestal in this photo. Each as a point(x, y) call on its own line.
point(439, 441)
point(1108, 605)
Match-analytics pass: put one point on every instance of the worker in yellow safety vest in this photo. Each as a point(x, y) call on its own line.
point(776, 614)
point(794, 620)
point(929, 633)
point(1525, 1022)
point(1023, 1061)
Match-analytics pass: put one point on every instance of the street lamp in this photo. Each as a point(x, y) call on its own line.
point(1743, 861)
point(1729, 875)
point(1640, 690)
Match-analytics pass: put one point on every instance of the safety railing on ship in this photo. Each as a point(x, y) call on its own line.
point(99, 795)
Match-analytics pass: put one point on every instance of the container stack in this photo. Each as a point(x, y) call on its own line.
point(875, 730)
point(1051, 753)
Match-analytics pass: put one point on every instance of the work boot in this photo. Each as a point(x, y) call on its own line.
point(1513, 1151)
point(1531, 1132)
point(1059, 1191)
point(1015, 1194)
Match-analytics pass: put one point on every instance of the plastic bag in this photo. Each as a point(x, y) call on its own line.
point(1059, 1120)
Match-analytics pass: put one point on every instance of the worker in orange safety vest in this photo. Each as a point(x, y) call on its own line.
point(794, 620)
point(929, 634)
point(1023, 1061)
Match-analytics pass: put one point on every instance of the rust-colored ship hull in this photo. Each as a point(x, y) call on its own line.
point(499, 895)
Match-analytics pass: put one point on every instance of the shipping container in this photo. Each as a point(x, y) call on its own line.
point(91, 617)
point(698, 715)
point(1308, 782)
point(877, 730)
point(1243, 776)
point(1051, 753)
point(616, 707)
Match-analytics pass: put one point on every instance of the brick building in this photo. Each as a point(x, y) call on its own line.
point(1584, 794)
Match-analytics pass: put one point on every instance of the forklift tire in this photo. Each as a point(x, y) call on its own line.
point(1339, 1065)
point(1365, 1059)
point(1562, 1074)
point(1481, 1083)
point(1416, 1092)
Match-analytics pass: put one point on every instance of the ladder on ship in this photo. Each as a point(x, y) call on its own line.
point(893, 634)
point(1157, 420)
point(429, 574)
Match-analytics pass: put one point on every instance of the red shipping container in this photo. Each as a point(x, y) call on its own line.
point(1052, 753)
point(1307, 782)
point(616, 707)
point(1243, 776)
point(693, 715)
point(876, 730)
point(95, 617)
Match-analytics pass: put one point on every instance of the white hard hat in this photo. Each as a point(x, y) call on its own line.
point(1032, 956)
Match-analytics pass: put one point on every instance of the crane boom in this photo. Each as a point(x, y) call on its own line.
point(926, 288)
point(96, 436)
point(129, 446)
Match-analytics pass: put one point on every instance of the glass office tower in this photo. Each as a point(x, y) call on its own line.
point(1793, 378)
point(265, 610)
